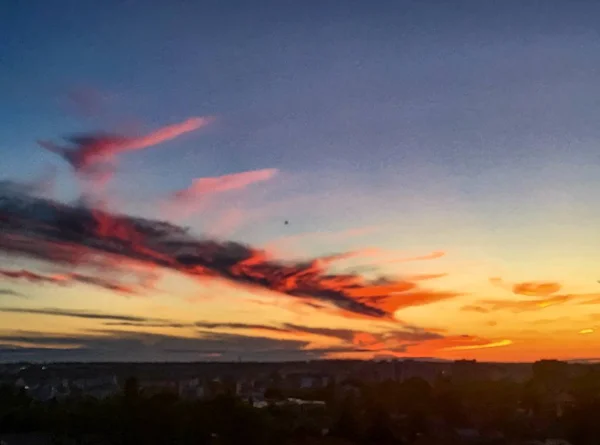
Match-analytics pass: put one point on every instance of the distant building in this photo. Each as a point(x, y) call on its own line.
point(192, 389)
point(42, 393)
point(100, 387)
point(151, 387)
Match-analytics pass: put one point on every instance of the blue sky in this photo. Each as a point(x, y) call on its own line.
point(468, 127)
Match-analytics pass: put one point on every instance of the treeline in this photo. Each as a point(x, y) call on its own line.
point(132, 418)
point(553, 404)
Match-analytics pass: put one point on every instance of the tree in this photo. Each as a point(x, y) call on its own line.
point(131, 389)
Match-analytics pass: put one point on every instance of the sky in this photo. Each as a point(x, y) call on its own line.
point(285, 180)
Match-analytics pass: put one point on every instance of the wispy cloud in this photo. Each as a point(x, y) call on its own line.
point(200, 194)
point(545, 293)
point(77, 314)
point(492, 344)
point(392, 339)
point(223, 340)
point(92, 156)
point(11, 293)
point(66, 279)
point(518, 305)
point(425, 277)
point(219, 184)
point(529, 288)
point(593, 298)
point(107, 319)
point(431, 256)
point(458, 343)
point(237, 326)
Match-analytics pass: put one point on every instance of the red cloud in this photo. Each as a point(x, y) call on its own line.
point(92, 156)
point(529, 288)
point(183, 202)
point(65, 279)
point(218, 184)
point(164, 134)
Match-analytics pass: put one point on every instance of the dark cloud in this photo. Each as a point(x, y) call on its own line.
point(347, 336)
point(136, 346)
point(63, 279)
point(149, 324)
point(393, 340)
point(41, 186)
point(10, 352)
point(78, 314)
point(226, 325)
point(75, 234)
point(342, 334)
point(409, 334)
point(11, 293)
point(289, 328)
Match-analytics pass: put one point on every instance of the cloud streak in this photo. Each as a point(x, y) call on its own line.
point(77, 314)
point(66, 279)
point(221, 340)
point(390, 340)
point(219, 184)
point(92, 155)
point(119, 346)
point(11, 293)
point(393, 340)
point(485, 306)
point(198, 194)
